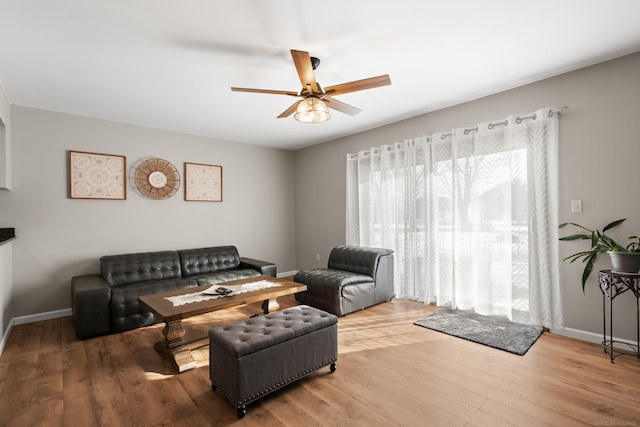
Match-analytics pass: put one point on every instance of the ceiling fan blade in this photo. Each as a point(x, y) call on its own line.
point(289, 111)
point(302, 61)
point(273, 92)
point(340, 106)
point(357, 85)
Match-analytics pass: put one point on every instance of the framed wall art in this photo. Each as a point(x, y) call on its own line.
point(97, 176)
point(202, 183)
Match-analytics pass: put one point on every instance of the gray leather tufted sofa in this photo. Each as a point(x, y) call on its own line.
point(357, 277)
point(108, 302)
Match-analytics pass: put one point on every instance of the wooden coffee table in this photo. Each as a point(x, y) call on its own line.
point(178, 351)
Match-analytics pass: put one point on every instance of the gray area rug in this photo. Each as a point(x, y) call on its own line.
point(492, 331)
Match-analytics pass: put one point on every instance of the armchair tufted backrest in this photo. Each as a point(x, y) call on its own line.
point(208, 260)
point(118, 270)
point(357, 259)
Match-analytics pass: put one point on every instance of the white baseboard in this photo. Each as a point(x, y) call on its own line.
point(41, 316)
point(5, 337)
point(22, 320)
point(578, 334)
point(586, 336)
point(286, 274)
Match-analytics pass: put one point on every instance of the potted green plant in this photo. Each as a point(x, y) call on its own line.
point(624, 259)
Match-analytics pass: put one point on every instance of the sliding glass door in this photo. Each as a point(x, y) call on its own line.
point(471, 215)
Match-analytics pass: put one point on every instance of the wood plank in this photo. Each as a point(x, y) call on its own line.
point(80, 407)
point(111, 405)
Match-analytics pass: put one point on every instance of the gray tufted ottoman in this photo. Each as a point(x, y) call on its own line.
point(254, 357)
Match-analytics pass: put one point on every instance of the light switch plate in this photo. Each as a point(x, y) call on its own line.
point(576, 206)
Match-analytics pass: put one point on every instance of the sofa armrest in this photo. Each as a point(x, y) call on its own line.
point(90, 302)
point(385, 290)
point(264, 267)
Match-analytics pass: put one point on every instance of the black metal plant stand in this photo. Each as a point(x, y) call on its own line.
point(613, 284)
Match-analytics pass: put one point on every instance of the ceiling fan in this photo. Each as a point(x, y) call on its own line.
point(312, 108)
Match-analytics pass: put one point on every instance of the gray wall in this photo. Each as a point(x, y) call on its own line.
point(60, 237)
point(5, 141)
point(599, 152)
point(6, 250)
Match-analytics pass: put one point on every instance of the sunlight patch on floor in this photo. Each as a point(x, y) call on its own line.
point(377, 332)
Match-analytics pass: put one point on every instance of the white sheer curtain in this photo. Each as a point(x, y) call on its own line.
point(471, 215)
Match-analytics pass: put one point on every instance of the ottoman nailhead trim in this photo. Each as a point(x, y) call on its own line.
point(267, 390)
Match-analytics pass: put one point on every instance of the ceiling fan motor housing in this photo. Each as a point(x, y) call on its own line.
point(315, 103)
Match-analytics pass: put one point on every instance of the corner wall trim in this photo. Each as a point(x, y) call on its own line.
point(578, 334)
point(586, 336)
point(5, 337)
point(22, 320)
point(286, 274)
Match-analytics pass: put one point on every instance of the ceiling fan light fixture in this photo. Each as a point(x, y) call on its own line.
point(312, 110)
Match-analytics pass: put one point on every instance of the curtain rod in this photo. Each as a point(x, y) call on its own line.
point(519, 120)
point(552, 111)
point(559, 110)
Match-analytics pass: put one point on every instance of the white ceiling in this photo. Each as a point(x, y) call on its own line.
point(170, 64)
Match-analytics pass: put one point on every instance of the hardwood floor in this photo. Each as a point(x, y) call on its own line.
point(390, 373)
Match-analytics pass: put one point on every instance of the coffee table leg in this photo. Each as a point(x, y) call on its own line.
point(173, 347)
point(270, 305)
point(173, 333)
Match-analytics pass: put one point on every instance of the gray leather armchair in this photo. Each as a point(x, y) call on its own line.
point(355, 278)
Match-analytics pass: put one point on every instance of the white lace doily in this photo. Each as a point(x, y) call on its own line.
point(204, 296)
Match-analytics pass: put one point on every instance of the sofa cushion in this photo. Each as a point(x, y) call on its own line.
point(257, 333)
point(224, 276)
point(119, 270)
point(329, 289)
point(126, 312)
point(332, 280)
point(357, 259)
point(208, 260)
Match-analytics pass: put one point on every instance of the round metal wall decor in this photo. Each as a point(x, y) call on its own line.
point(155, 178)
